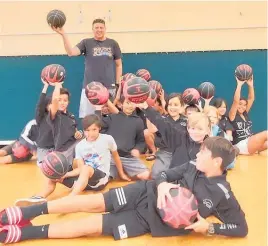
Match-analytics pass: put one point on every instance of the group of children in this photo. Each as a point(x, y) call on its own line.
point(190, 145)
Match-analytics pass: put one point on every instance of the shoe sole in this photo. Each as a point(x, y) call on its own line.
point(28, 202)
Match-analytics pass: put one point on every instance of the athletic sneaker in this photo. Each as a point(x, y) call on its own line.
point(24, 202)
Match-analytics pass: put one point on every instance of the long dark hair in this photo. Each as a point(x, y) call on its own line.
point(217, 102)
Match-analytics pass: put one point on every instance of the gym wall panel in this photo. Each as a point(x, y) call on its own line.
point(21, 85)
point(137, 26)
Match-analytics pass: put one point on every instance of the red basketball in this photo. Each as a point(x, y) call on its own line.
point(136, 90)
point(127, 77)
point(206, 90)
point(53, 73)
point(243, 72)
point(155, 85)
point(143, 73)
point(183, 209)
point(55, 165)
point(190, 96)
point(152, 98)
point(96, 93)
point(19, 150)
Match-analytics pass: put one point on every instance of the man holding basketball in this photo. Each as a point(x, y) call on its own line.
point(103, 61)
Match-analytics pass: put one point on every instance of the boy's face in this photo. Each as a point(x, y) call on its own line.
point(63, 102)
point(174, 107)
point(128, 107)
point(199, 131)
point(92, 132)
point(105, 109)
point(205, 162)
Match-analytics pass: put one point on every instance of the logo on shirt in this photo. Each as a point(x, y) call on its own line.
point(93, 160)
point(102, 51)
point(122, 231)
point(208, 203)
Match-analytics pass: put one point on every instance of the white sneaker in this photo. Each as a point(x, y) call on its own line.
point(24, 202)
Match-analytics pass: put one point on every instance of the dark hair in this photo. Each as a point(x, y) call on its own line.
point(90, 120)
point(64, 91)
point(173, 95)
point(217, 102)
point(220, 147)
point(101, 21)
point(244, 99)
point(192, 106)
point(158, 100)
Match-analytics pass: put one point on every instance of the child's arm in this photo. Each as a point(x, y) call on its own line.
point(233, 218)
point(55, 101)
point(41, 107)
point(140, 140)
point(119, 166)
point(151, 127)
point(251, 94)
point(233, 110)
point(170, 135)
point(118, 94)
point(112, 108)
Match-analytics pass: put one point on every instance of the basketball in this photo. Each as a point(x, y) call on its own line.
point(190, 96)
point(183, 209)
point(206, 90)
point(56, 18)
point(127, 77)
point(19, 150)
point(136, 90)
point(96, 93)
point(155, 85)
point(152, 98)
point(53, 73)
point(243, 72)
point(143, 73)
point(55, 165)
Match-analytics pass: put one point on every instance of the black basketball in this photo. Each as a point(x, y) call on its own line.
point(136, 90)
point(53, 73)
point(55, 165)
point(206, 90)
point(56, 18)
point(243, 72)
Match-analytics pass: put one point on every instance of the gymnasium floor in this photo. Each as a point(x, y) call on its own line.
point(248, 181)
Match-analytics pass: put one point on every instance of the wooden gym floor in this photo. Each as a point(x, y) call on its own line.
point(248, 181)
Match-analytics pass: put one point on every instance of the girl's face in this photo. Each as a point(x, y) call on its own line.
point(222, 109)
point(212, 115)
point(242, 106)
point(174, 107)
point(199, 131)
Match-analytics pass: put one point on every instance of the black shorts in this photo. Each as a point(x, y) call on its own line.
point(15, 159)
point(128, 211)
point(97, 182)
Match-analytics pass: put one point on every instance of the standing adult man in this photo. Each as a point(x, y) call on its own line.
point(103, 61)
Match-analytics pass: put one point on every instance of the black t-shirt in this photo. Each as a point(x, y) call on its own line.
point(214, 197)
point(242, 128)
point(99, 60)
point(180, 124)
point(225, 124)
point(63, 129)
